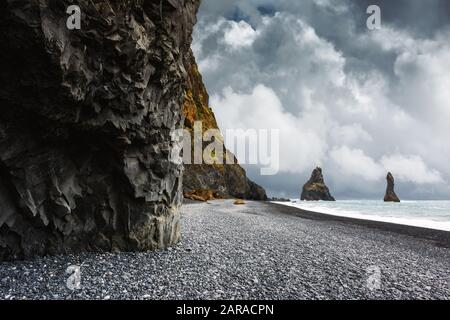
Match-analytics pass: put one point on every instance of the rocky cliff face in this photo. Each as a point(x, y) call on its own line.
point(315, 189)
point(228, 180)
point(86, 117)
point(390, 193)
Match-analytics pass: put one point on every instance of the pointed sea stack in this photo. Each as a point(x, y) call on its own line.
point(315, 189)
point(390, 193)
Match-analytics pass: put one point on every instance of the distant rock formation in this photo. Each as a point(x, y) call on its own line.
point(390, 193)
point(275, 199)
point(86, 157)
point(229, 180)
point(315, 189)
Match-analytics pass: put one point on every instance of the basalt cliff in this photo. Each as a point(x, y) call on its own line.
point(214, 180)
point(315, 189)
point(87, 158)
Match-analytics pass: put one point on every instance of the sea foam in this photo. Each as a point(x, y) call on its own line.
point(425, 214)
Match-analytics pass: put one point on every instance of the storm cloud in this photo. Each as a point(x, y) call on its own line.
point(357, 102)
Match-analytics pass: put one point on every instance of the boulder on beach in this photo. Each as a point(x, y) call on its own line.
point(203, 195)
point(390, 193)
point(315, 189)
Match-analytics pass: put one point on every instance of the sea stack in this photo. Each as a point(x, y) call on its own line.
point(315, 189)
point(390, 193)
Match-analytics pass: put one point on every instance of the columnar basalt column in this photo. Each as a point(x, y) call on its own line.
point(86, 153)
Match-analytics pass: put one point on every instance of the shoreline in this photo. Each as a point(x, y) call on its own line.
point(440, 237)
point(255, 251)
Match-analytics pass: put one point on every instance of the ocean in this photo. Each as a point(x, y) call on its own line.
point(426, 214)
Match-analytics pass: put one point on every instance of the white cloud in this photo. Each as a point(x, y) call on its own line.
point(210, 63)
point(426, 76)
point(300, 144)
point(332, 5)
point(422, 67)
point(239, 34)
point(280, 73)
point(411, 169)
point(354, 162)
point(350, 134)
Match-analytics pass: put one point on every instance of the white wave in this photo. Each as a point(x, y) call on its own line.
point(376, 211)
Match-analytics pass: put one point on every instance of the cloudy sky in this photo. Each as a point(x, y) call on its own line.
point(357, 102)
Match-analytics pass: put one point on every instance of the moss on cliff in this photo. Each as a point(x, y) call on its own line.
point(230, 180)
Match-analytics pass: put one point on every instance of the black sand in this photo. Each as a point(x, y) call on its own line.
point(255, 251)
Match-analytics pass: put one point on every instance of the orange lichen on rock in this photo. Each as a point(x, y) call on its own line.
point(230, 179)
point(203, 195)
point(196, 104)
point(189, 110)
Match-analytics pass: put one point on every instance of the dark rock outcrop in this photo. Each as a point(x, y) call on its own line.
point(315, 189)
point(86, 117)
point(275, 199)
point(230, 180)
point(390, 193)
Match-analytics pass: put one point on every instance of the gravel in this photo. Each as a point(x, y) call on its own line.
point(246, 252)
